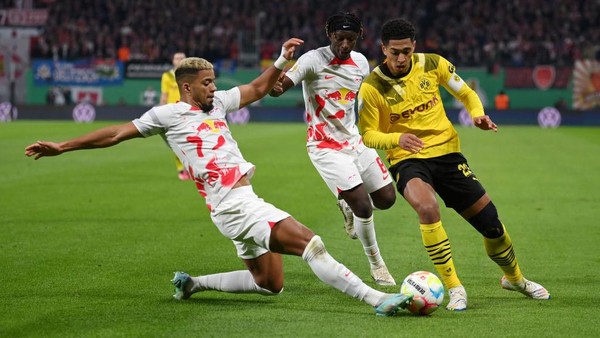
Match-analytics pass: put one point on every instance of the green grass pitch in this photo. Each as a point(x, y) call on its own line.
point(89, 241)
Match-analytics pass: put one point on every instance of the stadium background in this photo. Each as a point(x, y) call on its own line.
point(542, 53)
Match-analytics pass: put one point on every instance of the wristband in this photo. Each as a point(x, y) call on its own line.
point(280, 62)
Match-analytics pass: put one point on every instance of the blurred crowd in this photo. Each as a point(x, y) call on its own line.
point(468, 32)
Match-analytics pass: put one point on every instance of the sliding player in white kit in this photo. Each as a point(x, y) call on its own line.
point(355, 174)
point(196, 130)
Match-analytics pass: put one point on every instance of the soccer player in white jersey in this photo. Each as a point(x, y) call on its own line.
point(196, 130)
point(331, 77)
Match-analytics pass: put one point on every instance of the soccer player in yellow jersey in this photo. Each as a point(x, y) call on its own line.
point(400, 111)
point(169, 93)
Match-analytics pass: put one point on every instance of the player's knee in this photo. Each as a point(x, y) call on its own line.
point(487, 222)
point(314, 249)
point(386, 202)
point(384, 198)
point(362, 209)
point(428, 212)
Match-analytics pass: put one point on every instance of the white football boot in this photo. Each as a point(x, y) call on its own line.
point(526, 287)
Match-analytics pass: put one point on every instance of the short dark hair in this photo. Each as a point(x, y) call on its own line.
point(189, 67)
point(343, 21)
point(397, 29)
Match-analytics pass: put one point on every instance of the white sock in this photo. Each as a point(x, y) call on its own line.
point(240, 281)
point(333, 273)
point(365, 229)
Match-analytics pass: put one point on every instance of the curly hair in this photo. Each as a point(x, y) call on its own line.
point(397, 29)
point(343, 21)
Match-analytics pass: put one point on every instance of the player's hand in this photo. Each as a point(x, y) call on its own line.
point(484, 123)
point(289, 47)
point(411, 143)
point(41, 149)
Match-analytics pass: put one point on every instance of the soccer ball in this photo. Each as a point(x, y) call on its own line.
point(427, 289)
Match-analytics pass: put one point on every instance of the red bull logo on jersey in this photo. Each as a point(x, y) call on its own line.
point(212, 126)
point(343, 96)
point(407, 114)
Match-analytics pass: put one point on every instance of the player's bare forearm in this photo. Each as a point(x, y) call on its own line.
point(101, 138)
point(281, 86)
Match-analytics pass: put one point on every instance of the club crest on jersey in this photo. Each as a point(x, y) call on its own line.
point(424, 84)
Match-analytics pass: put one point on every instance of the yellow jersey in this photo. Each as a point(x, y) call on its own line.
point(389, 106)
point(169, 85)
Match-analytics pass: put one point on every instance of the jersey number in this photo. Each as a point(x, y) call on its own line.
point(465, 169)
point(381, 165)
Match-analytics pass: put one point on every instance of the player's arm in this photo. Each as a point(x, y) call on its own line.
point(369, 120)
point(101, 138)
point(456, 86)
point(260, 86)
point(371, 126)
point(281, 86)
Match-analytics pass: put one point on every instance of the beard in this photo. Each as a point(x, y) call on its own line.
point(206, 108)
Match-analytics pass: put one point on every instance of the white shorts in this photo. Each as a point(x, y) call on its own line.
point(343, 171)
point(247, 220)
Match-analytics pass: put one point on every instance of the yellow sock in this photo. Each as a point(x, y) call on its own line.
point(437, 245)
point(501, 252)
point(178, 164)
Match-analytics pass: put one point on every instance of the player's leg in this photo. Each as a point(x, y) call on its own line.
point(377, 179)
point(264, 276)
point(342, 174)
point(380, 192)
point(483, 216)
point(245, 219)
point(415, 187)
point(333, 165)
point(291, 237)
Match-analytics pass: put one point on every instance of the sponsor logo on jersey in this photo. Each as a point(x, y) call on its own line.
point(451, 69)
point(343, 96)
point(407, 114)
point(212, 126)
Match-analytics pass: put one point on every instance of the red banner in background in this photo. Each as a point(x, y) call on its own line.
point(541, 77)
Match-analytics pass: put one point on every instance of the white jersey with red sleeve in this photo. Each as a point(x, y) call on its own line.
point(330, 86)
point(202, 141)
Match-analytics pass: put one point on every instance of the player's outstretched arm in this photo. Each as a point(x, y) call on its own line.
point(485, 123)
point(101, 138)
point(260, 86)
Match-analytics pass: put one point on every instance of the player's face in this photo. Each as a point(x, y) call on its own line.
point(201, 91)
point(177, 57)
point(399, 54)
point(342, 43)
